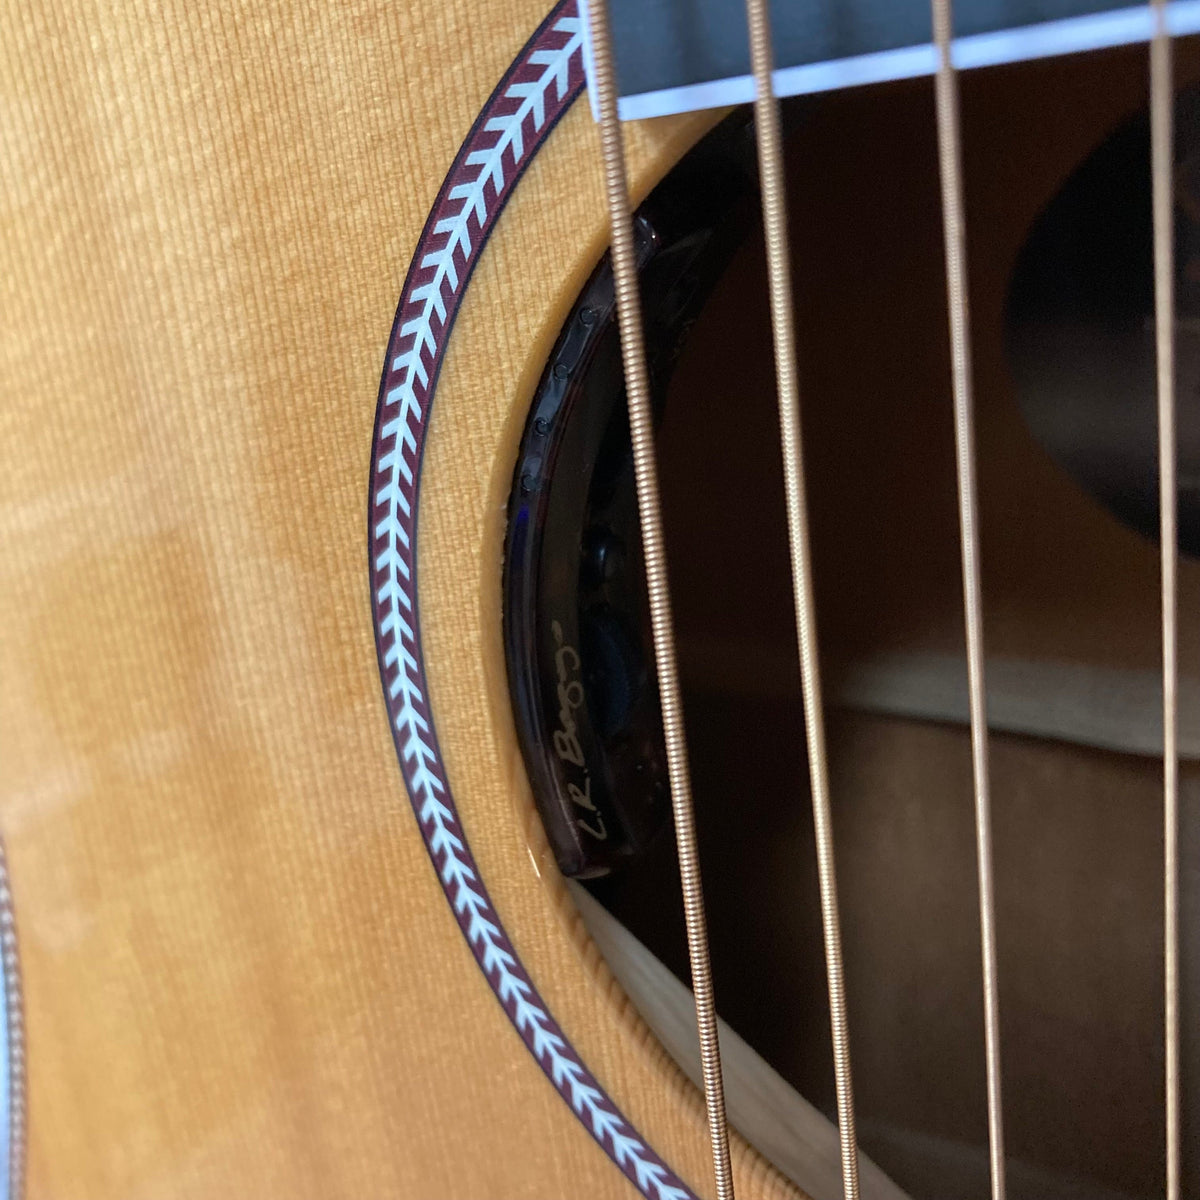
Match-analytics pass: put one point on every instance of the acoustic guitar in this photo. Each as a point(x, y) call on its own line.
point(334, 795)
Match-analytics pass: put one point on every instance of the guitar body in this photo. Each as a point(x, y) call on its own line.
point(286, 918)
point(240, 971)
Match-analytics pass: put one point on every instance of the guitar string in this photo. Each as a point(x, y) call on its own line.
point(1161, 154)
point(637, 386)
point(774, 209)
point(954, 230)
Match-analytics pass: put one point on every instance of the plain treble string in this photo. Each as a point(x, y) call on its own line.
point(954, 230)
point(1161, 156)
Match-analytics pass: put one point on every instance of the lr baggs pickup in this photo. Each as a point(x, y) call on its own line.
point(577, 629)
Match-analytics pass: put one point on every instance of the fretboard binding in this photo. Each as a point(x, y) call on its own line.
point(1049, 39)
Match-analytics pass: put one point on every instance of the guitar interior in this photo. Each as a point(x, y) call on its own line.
point(1064, 399)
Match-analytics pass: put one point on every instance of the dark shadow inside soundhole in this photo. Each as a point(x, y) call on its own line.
point(1080, 325)
point(1078, 831)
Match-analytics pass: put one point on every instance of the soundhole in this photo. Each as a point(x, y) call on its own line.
point(1080, 326)
point(1059, 258)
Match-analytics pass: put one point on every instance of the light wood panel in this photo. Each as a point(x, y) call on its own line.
point(240, 972)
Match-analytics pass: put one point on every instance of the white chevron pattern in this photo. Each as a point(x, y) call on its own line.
point(423, 318)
